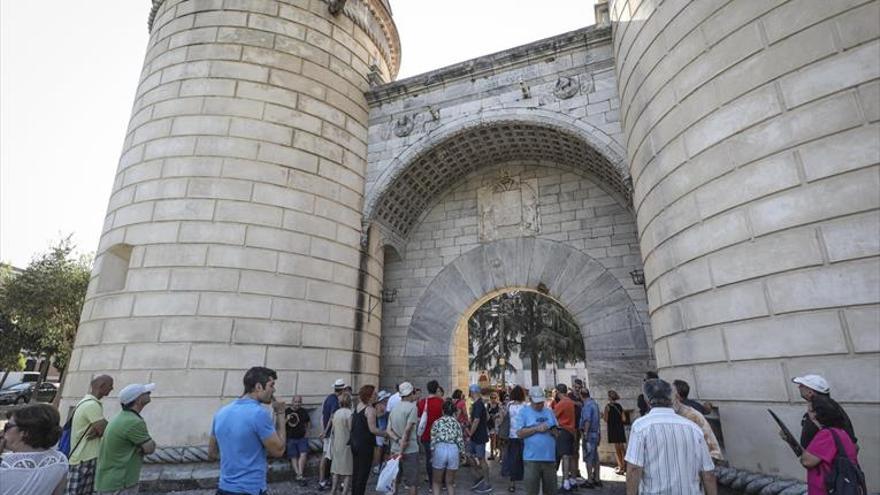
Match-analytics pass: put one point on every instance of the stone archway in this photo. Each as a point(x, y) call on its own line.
point(615, 339)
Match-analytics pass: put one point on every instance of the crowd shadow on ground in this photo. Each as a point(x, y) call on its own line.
point(613, 484)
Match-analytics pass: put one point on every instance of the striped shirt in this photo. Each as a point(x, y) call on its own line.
point(671, 452)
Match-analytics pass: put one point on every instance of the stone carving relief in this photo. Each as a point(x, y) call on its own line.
point(403, 126)
point(566, 87)
point(421, 121)
point(508, 208)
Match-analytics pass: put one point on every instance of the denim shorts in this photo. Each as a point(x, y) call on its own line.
point(445, 456)
point(477, 450)
point(591, 450)
point(297, 447)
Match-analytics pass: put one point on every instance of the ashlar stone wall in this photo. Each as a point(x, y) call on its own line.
point(753, 139)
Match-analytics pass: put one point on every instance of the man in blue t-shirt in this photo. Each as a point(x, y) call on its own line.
point(244, 432)
point(589, 425)
point(536, 425)
point(331, 404)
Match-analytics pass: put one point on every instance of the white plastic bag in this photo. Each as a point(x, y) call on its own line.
point(388, 475)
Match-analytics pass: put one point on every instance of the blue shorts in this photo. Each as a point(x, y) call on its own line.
point(477, 450)
point(591, 450)
point(297, 447)
point(445, 456)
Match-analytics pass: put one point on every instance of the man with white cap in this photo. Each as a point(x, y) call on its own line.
point(125, 443)
point(402, 432)
point(809, 387)
point(537, 426)
point(331, 404)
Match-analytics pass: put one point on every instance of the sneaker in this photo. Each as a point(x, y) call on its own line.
point(485, 488)
point(303, 482)
point(477, 483)
point(322, 485)
point(566, 486)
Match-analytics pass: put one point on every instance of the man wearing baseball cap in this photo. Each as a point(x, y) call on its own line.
point(809, 387)
point(125, 443)
point(402, 431)
point(537, 426)
point(330, 405)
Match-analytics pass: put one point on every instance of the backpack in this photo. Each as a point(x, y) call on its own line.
point(504, 426)
point(67, 432)
point(845, 477)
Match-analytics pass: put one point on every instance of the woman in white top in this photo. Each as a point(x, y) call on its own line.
point(34, 467)
point(512, 461)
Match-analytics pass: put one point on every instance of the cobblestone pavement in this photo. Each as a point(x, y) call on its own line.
point(613, 485)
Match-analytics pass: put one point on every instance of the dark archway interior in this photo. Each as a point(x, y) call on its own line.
point(434, 171)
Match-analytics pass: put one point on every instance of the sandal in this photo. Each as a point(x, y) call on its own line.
point(511, 489)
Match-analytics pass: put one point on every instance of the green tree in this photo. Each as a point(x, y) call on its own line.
point(528, 323)
point(40, 307)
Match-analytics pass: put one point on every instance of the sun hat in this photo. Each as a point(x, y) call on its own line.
point(131, 392)
point(814, 382)
point(405, 389)
point(382, 395)
point(339, 384)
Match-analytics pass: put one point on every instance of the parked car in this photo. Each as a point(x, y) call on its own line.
point(17, 394)
point(45, 392)
point(16, 377)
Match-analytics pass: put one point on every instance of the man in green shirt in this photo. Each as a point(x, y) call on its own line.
point(404, 436)
point(87, 427)
point(126, 441)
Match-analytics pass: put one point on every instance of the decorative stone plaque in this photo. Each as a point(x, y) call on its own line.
point(508, 208)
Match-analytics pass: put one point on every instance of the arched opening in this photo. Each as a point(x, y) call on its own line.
point(519, 336)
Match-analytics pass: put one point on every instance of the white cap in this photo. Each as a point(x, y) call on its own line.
point(405, 389)
point(814, 382)
point(339, 383)
point(383, 395)
point(536, 393)
point(131, 392)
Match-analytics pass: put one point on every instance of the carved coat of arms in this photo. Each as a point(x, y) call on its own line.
point(508, 208)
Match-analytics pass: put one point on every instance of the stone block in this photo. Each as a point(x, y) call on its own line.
point(248, 213)
point(851, 237)
point(817, 201)
point(272, 284)
point(833, 74)
point(89, 333)
point(295, 358)
point(136, 213)
point(696, 346)
point(189, 425)
point(785, 336)
point(765, 255)
point(863, 324)
point(755, 180)
point(151, 233)
point(793, 17)
point(235, 305)
point(100, 358)
point(226, 147)
point(242, 257)
point(283, 197)
point(184, 209)
point(726, 381)
point(144, 279)
point(219, 188)
point(155, 356)
point(322, 337)
point(277, 239)
point(263, 131)
point(736, 302)
point(304, 266)
point(210, 279)
point(267, 332)
point(254, 171)
point(174, 255)
point(841, 284)
point(685, 280)
point(213, 232)
point(187, 383)
point(221, 356)
point(289, 157)
point(220, 105)
point(117, 306)
point(841, 152)
point(195, 329)
point(131, 330)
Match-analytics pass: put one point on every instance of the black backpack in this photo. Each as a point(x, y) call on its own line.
point(845, 477)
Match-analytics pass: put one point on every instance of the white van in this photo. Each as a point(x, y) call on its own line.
point(16, 377)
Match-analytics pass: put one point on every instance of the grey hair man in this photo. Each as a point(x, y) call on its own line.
point(656, 465)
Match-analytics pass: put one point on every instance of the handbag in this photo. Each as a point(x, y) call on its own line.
point(388, 475)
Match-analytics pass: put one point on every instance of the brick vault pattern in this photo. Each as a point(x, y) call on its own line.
point(753, 139)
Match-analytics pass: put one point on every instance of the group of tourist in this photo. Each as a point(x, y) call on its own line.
point(671, 449)
point(105, 457)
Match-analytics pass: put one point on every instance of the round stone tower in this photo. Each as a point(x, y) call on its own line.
point(233, 234)
point(752, 136)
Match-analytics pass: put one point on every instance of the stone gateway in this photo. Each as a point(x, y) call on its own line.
point(282, 201)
